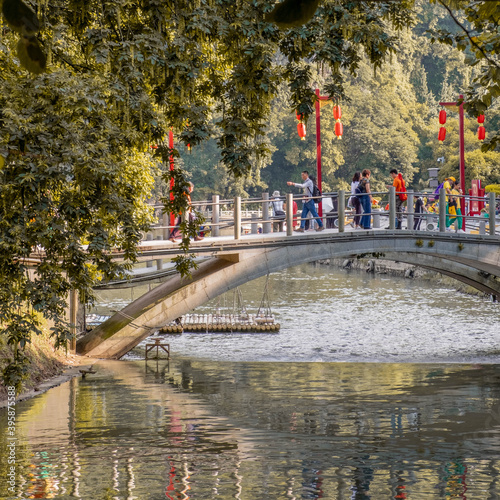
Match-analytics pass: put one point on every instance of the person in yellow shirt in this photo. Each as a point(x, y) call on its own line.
point(447, 184)
point(454, 205)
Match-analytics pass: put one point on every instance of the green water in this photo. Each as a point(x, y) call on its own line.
point(200, 429)
point(293, 415)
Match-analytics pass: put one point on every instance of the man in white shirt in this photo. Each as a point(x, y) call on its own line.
point(307, 187)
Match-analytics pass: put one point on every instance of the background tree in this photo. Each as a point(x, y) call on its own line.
point(75, 140)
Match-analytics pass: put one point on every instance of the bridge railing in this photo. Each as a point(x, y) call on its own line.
point(256, 215)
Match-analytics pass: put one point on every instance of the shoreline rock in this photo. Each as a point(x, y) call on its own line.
point(71, 369)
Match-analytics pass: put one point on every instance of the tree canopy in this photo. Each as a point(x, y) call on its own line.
point(88, 86)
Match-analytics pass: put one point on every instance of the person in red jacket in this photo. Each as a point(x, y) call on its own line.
point(401, 196)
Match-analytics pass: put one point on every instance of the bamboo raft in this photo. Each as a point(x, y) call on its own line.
point(220, 323)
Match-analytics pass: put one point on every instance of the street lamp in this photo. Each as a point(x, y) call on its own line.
point(171, 147)
point(337, 114)
point(454, 106)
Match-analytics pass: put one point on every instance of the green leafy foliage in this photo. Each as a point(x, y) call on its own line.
point(107, 80)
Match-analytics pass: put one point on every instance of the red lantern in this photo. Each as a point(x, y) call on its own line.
point(301, 129)
point(442, 117)
point(189, 147)
point(337, 112)
point(339, 130)
point(154, 146)
point(299, 115)
point(442, 134)
point(480, 119)
point(481, 133)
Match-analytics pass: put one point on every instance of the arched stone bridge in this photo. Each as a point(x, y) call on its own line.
point(472, 259)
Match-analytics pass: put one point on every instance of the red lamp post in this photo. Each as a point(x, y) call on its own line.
point(301, 129)
point(171, 146)
point(319, 100)
point(454, 106)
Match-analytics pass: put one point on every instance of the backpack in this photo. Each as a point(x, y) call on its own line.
point(360, 188)
point(402, 195)
point(316, 192)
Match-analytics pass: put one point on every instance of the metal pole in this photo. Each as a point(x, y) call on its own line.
point(410, 210)
point(237, 217)
point(462, 156)
point(442, 210)
point(491, 206)
point(318, 148)
point(215, 215)
point(266, 226)
point(392, 207)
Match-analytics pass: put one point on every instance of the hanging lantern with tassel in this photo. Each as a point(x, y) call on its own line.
point(480, 119)
point(339, 130)
point(481, 133)
point(337, 112)
point(442, 134)
point(301, 130)
point(442, 117)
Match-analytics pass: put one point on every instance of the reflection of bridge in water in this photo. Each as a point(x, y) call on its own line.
point(471, 258)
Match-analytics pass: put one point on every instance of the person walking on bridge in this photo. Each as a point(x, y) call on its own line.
point(365, 197)
point(399, 184)
point(307, 187)
point(176, 232)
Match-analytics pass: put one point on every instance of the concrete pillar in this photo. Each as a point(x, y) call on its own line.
point(341, 210)
point(159, 264)
point(442, 210)
point(237, 217)
point(492, 214)
point(149, 263)
point(410, 207)
point(266, 226)
point(255, 224)
point(215, 215)
point(289, 214)
point(392, 207)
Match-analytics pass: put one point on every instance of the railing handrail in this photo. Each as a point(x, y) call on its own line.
point(265, 217)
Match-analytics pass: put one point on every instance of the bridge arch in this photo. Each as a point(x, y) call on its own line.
point(474, 261)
